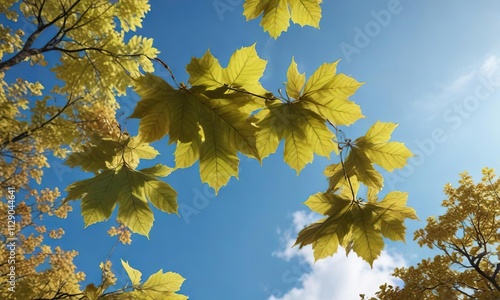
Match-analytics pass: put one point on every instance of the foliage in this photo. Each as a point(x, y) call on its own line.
point(119, 183)
point(93, 49)
point(226, 110)
point(158, 286)
point(33, 251)
point(467, 238)
point(276, 14)
point(38, 122)
point(219, 113)
point(207, 120)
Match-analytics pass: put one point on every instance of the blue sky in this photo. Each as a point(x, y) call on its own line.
point(432, 67)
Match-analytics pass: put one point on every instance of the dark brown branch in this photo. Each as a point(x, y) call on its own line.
point(29, 132)
point(27, 51)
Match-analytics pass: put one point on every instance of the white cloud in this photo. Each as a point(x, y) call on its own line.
point(458, 87)
point(490, 66)
point(337, 277)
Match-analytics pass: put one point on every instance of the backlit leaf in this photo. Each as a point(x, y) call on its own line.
point(163, 286)
point(367, 240)
point(376, 145)
point(295, 81)
point(355, 225)
point(211, 120)
point(128, 188)
point(133, 274)
point(304, 132)
point(276, 14)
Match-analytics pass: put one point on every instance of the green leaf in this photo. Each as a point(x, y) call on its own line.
point(164, 110)
point(355, 225)
point(133, 274)
point(323, 203)
point(135, 150)
point(245, 69)
point(100, 154)
point(338, 221)
point(361, 167)
point(356, 165)
point(91, 292)
point(186, 154)
point(218, 154)
point(391, 213)
point(306, 12)
point(99, 196)
point(205, 71)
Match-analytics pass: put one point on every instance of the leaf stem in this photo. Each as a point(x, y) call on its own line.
point(250, 93)
point(168, 69)
point(347, 177)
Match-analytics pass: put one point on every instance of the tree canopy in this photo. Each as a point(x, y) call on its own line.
point(467, 239)
point(218, 115)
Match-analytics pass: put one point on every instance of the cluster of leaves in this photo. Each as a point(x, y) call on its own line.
point(223, 111)
point(467, 237)
point(158, 286)
point(276, 14)
point(355, 224)
point(220, 113)
point(118, 182)
point(351, 221)
point(96, 64)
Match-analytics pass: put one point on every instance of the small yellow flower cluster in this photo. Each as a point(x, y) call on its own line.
point(108, 277)
point(56, 234)
point(123, 233)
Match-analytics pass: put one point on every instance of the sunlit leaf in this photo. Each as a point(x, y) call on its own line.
point(133, 274)
point(276, 14)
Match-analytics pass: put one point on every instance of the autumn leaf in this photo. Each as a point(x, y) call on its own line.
point(130, 190)
point(276, 14)
point(164, 286)
point(367, 241)
point(302, 121)
point(295, 82)
point(133, 274)
point(304, 132)
point(211, 120)
point(327, 93)
point(364, 152)
point(107, 153)
point(354, 224)
point(94, 156)
point(464, 239)
point(376, 145)
point(158, 286)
